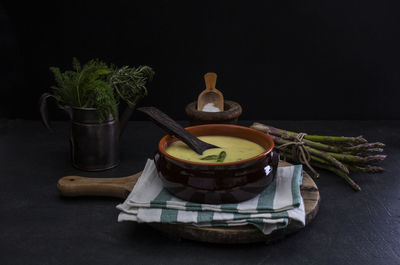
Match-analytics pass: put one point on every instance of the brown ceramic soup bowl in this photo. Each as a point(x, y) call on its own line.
point(218, 183)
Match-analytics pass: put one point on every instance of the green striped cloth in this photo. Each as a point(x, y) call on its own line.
point(280, 205)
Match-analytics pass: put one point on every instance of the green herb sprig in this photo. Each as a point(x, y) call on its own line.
point(129, 83)
point(97, 85)
point(219, 158)
point(85, 87)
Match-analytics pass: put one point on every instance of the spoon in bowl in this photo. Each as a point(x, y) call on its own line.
point(210, 96)
point(165, 122)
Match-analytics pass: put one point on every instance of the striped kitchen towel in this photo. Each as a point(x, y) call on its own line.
point(279, 206)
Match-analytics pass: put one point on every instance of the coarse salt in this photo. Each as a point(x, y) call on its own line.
point(210, 107)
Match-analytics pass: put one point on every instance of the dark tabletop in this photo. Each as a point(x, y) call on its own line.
point(38, 226)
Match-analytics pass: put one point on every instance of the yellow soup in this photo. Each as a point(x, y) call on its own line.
point(232, 149)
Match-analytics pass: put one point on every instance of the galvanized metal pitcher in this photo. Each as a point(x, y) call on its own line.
point(94, 145)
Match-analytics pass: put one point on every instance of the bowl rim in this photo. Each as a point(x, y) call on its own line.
point(267, 151)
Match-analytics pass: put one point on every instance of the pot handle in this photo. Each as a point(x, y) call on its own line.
point(43, 109)
point(157, 157)
point(275, 156)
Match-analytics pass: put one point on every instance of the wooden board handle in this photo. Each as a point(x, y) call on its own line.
point(73, 186)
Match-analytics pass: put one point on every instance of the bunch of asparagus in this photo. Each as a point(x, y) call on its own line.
point(338, 154)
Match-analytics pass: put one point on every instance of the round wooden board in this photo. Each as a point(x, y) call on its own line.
point(248, 233)
point(121, 187)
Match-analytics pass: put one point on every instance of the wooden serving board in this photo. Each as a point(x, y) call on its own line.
point(121, 187)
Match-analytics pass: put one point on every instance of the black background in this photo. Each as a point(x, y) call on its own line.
point(278, 59)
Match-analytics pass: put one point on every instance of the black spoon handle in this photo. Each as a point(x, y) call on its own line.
point(171, 126)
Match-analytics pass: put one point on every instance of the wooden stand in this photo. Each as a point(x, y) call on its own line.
point(231, 113)
point(121, 187)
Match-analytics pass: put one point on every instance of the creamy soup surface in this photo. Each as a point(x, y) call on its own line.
point(235, 149)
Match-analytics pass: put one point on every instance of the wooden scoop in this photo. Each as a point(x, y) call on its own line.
point(171, 126)
point(210, 94)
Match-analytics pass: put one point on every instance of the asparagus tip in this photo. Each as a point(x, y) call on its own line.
point(361, 139)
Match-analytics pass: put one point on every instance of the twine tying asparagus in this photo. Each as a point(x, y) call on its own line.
point(300, 152)
point(338, 154)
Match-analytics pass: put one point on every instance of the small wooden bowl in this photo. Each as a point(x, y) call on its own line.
point(231, 113)
point(218, 182)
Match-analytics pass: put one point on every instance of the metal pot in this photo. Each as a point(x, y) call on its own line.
point(94, 145)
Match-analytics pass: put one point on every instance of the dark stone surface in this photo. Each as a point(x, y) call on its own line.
point(37, 226)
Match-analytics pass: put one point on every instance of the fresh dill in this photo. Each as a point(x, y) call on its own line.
point(100, 86)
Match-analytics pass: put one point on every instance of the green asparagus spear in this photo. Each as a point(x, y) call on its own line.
point(315, 138)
